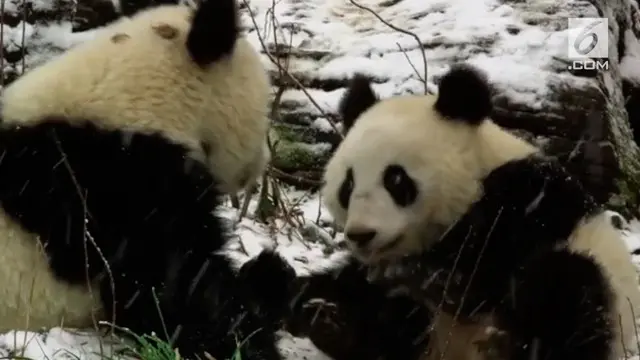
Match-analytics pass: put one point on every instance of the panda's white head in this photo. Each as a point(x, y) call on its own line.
point(409, 166)
point(187, 73)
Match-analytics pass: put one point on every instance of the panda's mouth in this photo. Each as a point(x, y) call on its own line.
point(391, 245)
point(427, 237)
point(374, 254)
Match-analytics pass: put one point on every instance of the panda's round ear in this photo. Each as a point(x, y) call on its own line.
point(357, 99)
point(464, 94)
point(213, 19)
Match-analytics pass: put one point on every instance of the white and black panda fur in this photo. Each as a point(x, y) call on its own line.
point(137, 75)
point(431, 186)
point(126, 143)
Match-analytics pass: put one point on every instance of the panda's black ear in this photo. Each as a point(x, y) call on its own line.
point(214, 29)
point(464, 95)
point(357, 99)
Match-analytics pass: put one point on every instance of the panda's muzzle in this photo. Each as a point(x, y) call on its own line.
point(362, 240)
point(361, 237)
point(390, 245)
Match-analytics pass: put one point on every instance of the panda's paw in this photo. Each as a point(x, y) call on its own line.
point(268, 281)
point(423, 281)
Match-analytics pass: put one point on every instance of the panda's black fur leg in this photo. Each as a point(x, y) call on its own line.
point(558, 309)
point(198, 308)
point(203, 307)
point(150, 211)
point(268, 283)
point(349, 318)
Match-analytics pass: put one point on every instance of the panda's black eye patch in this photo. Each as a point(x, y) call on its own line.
point(344, 193)
point(401, 187)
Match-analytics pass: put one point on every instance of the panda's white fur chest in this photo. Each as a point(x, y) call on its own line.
point(31, 297)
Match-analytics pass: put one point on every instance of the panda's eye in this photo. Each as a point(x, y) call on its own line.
point(401, 187)
point(344, 193)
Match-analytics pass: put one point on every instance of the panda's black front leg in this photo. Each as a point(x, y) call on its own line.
point(197, 303)
point(557, 309)
point(349, 318)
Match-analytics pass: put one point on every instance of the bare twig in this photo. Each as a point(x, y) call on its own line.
point(248, 194)
point(406, 32)
point(87, 235)
point(635, 328)
point(289, 76)
point(24, 30)
point(473, 273)
point(406, 56)
point(2, 43)
point(281, 174)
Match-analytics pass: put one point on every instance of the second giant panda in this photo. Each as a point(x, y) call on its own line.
point(478, 223)
point(114, 158)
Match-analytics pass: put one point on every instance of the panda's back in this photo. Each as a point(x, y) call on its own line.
point(136, 75)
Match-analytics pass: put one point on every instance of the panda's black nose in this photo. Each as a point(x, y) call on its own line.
point(361, 237)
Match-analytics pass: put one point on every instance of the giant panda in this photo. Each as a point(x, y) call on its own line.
point(114, 159)
point(492, 235)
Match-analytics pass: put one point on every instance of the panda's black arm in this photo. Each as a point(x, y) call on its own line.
point(528, 205)
point(150, 212)
point(349, 318)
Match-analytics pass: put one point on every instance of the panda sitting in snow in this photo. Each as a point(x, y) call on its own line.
point(114, 159)
point(436, 198)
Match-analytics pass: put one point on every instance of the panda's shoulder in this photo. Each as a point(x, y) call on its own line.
point(535, 184)
point(533, 171)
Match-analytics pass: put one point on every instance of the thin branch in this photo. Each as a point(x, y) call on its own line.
point(406, 32)
point(2, 43)
point(87, 235)
point(473, 273)
point(296, 82)
point(404, 52)
point(24, 30)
